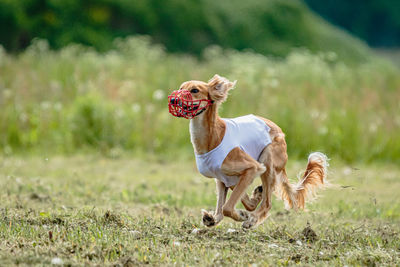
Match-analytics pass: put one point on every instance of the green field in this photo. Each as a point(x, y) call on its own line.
point(93, 210)
point(78, 99)
point(94, 171)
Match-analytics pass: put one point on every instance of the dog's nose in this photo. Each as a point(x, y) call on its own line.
point(173, 101)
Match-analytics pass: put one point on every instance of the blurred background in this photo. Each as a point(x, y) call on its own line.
point(79, 76)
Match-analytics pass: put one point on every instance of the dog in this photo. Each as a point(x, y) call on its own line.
point(236, 151)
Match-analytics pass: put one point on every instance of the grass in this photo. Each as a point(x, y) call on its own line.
point(76, 98)
point(95, 210)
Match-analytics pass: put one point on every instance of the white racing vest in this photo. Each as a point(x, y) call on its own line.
point(249, 133)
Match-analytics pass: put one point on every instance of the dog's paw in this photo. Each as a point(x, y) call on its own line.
point(257, 193)
point(251, 222)
point(243, 215)
point(208, 219)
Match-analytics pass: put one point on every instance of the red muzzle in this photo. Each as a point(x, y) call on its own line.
point(181, 104)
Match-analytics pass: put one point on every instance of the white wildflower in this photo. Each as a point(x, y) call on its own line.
point(57, 261)
point(45, 105)
point(314, 113)
point(323, 130)
point(373, 127)
point(136, 107)
point(119, 113)
point(57, 106)
point(158, 94)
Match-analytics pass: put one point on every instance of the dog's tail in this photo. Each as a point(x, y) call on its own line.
point(296, 195)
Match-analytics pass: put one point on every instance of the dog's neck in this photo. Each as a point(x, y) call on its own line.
point(207, 130)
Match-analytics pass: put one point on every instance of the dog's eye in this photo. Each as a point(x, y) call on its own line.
point(194, 90)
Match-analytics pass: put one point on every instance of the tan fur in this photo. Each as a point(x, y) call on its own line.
point(207, 131)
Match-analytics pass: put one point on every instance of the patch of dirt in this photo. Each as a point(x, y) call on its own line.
point(57, 220)
point(279, 232)
point(282, 213)
point(35, 196)
point(309, 234)
point(296, 258)
point(112, 218)
point(128, 262)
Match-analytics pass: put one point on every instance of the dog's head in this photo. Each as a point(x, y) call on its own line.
point(194, 97)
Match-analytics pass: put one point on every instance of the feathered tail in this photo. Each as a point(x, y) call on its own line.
point(296, 195)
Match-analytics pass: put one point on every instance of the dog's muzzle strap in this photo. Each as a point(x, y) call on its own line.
point(181, 104)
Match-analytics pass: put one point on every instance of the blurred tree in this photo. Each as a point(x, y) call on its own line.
point(376, 21)
point(268, 27)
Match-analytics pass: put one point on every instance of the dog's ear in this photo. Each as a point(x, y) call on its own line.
point(219, 88)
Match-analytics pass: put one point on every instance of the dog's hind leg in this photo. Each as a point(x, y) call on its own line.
point(274, 158)
point(210, 219)
point(241, 164)
point(268, 181)
point(251, 203)
point(245, 180)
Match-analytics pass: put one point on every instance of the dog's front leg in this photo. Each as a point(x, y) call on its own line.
point(213, 219)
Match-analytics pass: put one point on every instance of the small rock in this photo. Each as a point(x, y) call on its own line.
point(197, 231)
point(272, 245)
point(230, 230)
point(176, 243)
point(57, 261)
point(298, 242)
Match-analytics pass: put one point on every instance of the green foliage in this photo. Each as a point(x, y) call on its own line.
point(267, 27)
point(375, 21)
point(92, 122)
point(74, 98)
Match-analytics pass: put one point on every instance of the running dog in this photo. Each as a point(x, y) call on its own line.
point(236, 151)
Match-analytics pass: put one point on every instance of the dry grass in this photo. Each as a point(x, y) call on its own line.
point(91, 210)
